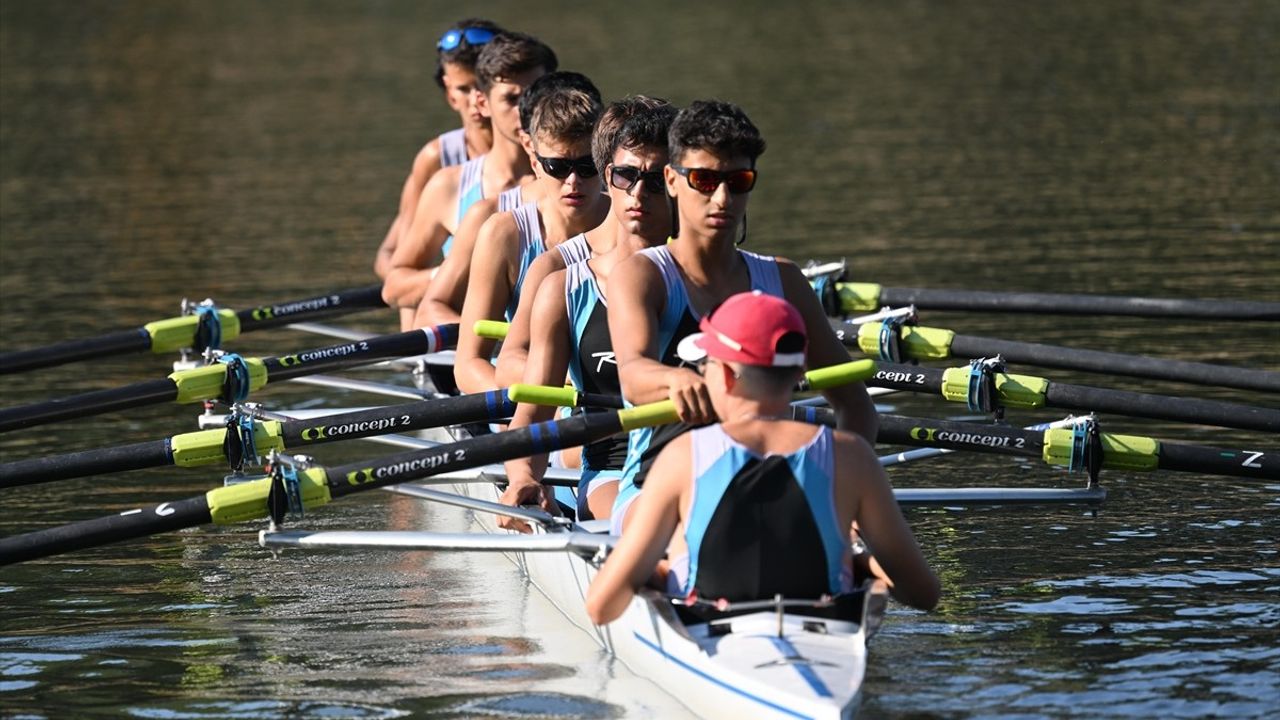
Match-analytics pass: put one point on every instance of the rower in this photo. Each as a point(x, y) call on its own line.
point(456, 54)
point(657, 296)
point(758, 506)
point(599, 240)
point(507, 64)
point(568, 326)
point(571, 200)
point(442, 303)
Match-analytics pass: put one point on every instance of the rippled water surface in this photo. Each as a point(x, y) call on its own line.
point(253, 152)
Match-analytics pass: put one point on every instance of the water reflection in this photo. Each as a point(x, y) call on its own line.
point(251, 152)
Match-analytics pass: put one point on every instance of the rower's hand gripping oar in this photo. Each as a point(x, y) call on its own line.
point(232, 379)
point(896, 340)
point(317, 486)
point(207, 447)
point(205, 327)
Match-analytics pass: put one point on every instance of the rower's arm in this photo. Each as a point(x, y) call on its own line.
point(636, 298)
point(492, 268)
point(854, 409)
point(418, 247)
point(442, 303)
point(548, 361)
point(653, 519)
point(425, 164)
point(864, 490)
point(515, 347)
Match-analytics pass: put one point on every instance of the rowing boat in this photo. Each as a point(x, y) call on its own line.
point(781, 658)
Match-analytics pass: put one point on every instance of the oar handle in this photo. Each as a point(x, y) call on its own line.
point(491, 329)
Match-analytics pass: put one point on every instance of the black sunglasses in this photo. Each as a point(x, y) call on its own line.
point(625, 177)
point(561, 168)
point(706, 181)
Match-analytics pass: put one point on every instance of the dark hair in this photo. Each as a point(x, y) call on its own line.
point(512, 53)
point(719, 127)
point(550, 83)
point(566, 115)
point(635, 121)
point(761, 380)
point(465, 54)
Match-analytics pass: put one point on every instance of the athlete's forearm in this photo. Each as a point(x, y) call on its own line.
point(405, 287)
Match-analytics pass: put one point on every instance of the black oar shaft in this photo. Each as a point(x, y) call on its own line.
point(90, 403)
point(184, 334)
point(1090, 399)
point(198, 449)
point(492, 405)
point(117, 343)
point(321, 306)
point(249, 501)
point(152, 392)
point(482, 450)
point(1074, 304)
point(150, 520)
point(358, 352)
point(123, 458)
point(1218, 461)
point(1003, 439)
point(1050, 356)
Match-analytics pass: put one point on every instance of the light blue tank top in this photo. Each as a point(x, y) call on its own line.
point(470, 189)
point(531, 246)
point(510, 199)
point(718, 459)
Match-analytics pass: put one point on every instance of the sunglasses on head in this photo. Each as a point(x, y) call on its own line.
point(561, 168)
point(706, 181)
point(625, 177)
point(473, 36)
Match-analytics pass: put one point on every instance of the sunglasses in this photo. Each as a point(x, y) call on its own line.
point(625, 177)
point(454, 38)
point(561, 168)
point(706, 181)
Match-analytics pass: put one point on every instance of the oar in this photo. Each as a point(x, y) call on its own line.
point(1057, 446)
point(207, 447)
point(164, 336)
point(217, 380)
point(820, 379)
point(1054, 445)
point(317, 485)
point(852, 297)
point(927, 343)
point(1026, 391)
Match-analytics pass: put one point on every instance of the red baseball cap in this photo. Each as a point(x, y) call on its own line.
point(746, 328)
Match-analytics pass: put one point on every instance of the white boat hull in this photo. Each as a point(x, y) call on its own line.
point(749, 672)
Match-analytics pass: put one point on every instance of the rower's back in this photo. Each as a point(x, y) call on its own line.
point(761, 517)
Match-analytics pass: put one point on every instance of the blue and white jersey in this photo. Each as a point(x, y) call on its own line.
point(761, 526)
point(510, 199)
point(592, 367)
point(453, 147)
point(470, 190)
point(532, 245)
point(575, 249)
point(677, 321)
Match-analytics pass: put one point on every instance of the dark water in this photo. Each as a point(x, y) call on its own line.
point(252, 152)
